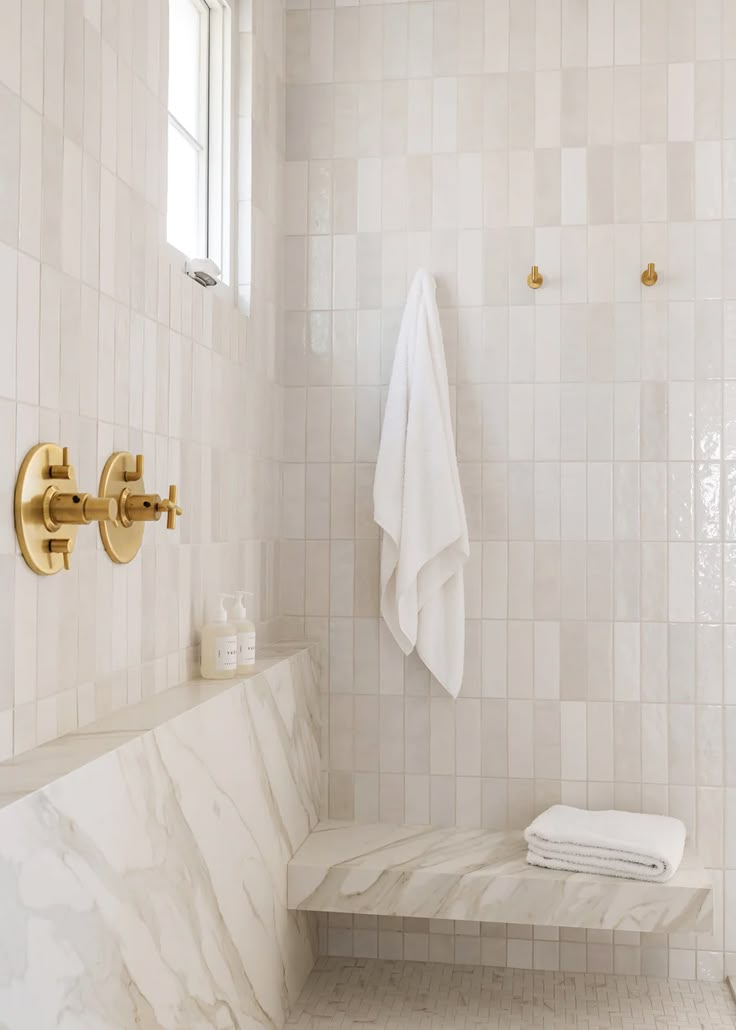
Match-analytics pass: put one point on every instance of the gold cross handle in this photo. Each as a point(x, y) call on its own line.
point(171, 508)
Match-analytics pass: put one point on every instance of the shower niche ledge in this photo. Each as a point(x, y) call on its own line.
point(482, 875)
point(143, 858)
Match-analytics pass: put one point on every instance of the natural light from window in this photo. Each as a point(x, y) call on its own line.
point(200, 131)
point(188, 125)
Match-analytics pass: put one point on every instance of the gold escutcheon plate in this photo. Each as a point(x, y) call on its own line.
point(34, 479)
point(122, 543)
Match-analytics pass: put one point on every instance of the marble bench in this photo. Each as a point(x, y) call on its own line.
point(391, 870)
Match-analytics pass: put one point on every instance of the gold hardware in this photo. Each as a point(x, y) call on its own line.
point(649, 275)
point(534, 280)
point(133, 477)
point(41, 510)
point(75, 509)
point(171, 507)
point(142, 508)
point(122, 479)
point(63, 546)
point(64, 470)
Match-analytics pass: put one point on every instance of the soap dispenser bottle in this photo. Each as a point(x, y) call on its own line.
point(219, 645)
point(246, 633)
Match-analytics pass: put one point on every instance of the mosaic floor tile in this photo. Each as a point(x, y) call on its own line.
point(365, 993)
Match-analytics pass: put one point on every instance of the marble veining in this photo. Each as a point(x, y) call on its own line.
point(394, 870)
point(147, 888)
point(34, 769)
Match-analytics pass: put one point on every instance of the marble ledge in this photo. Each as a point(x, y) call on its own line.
point(145, 884)
point(481, 875)
point(35, 769)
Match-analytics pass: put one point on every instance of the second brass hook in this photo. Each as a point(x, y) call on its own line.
point(535, 279)
point(649, 275)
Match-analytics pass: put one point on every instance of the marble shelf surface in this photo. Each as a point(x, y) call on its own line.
point(422, 871)
point(42, 765)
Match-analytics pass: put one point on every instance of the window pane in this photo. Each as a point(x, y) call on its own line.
point(182, 227)
point(185, 58)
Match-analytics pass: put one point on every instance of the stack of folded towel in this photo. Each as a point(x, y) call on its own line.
point(627, 844)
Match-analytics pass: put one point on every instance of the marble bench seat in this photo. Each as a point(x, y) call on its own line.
point(423, 871)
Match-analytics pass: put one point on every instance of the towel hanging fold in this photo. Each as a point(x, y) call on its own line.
point(417, 498)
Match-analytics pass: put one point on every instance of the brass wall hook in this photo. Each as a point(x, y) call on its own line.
point(649, 275)
point(534, 280)
point(47, 518)
point(122, 479)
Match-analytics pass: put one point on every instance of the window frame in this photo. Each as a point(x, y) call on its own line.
point(214, 140)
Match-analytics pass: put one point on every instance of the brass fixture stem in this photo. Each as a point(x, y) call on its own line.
point(75, 509)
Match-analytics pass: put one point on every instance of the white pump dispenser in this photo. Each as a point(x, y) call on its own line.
point(219, 645)
point(246, 632)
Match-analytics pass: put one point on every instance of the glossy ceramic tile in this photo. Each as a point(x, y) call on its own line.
point(106, 345)
point(593, 417)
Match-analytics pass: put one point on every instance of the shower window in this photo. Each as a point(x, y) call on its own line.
point(199, 124)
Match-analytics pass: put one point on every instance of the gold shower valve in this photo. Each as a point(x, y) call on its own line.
point(122, 479)
point(42, 511)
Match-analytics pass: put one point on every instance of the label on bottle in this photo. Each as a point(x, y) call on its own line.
point(247, 648)
point(226, 654)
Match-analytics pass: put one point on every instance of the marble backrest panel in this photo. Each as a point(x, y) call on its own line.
point(148, 888)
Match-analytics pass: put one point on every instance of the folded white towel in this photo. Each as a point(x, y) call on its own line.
point(628, 844)
point(417, 498)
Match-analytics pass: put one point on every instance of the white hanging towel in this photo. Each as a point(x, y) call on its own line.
point(417, 498)
point(628, 844)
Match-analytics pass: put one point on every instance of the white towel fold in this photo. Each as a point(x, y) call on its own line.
point(417, 498)
point(627, 844)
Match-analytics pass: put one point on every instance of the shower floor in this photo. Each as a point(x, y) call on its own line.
point(369, 993)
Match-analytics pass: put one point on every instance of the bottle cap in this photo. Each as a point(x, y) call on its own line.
point(237, 610)
point(219, 612)
point(240, 594)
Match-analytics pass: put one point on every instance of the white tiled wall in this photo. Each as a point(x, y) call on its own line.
point(595, 421)
point(106, 345)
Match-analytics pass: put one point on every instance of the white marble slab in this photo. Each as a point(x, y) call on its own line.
point(390, 870)
point(34, 769)
point(146, 888)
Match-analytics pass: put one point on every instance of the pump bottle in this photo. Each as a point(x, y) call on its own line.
point(219, 645)
point(246, 632)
